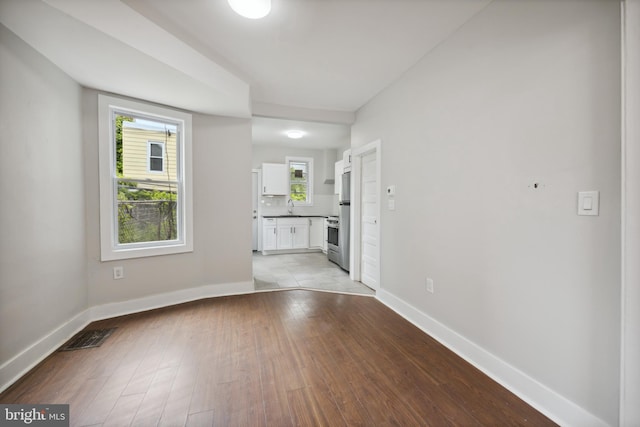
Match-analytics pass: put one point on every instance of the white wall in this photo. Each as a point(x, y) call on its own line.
point(525, 92)
point(222, 216)
point(325, 202)
point(42, 222)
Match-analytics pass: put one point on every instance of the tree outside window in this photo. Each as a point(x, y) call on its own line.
point(301, 180)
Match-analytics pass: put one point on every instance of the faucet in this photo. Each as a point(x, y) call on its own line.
point(290, 206)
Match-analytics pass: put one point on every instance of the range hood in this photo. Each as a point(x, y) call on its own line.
point(330, 157)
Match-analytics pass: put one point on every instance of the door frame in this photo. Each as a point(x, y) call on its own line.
point(356, 200)
point(259, 206)
point(630, 221)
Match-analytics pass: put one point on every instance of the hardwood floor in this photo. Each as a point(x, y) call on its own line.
point(281, 358)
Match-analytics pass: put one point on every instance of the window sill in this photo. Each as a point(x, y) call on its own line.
point(142, 252)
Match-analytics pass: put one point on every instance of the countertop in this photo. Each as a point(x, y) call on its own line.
point(295, 216)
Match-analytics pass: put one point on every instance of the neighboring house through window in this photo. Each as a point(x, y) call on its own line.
point(145, 180)
point(301, 180)
point(156, 156)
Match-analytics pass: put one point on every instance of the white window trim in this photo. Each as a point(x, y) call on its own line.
point(309, 161)
point(109, 247)
point(161, 144)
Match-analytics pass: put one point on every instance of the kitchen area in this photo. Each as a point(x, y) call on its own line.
point(301, 210)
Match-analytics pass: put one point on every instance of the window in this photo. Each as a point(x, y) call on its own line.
point(145, 180)
point(301, 180)
point(156, 156)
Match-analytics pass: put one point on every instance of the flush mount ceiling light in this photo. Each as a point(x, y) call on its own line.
point(252, 9)
point(294, 134)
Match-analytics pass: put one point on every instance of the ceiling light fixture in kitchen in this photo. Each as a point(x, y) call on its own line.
point(294, 134)
point(252, 9)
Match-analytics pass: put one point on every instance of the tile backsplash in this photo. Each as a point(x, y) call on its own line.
point(323, 204)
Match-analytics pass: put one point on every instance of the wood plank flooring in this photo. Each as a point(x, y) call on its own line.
point(281, 358)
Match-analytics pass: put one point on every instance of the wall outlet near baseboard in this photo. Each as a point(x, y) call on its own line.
point(429, 285)
point(118, 273)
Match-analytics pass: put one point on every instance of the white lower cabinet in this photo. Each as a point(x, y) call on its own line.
point(269, 234)
point(325, 235)
point(285, 233)
point(301, 236)
point(293, 233)
point(316, 236)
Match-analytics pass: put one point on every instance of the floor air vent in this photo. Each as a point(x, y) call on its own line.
point(87, 339)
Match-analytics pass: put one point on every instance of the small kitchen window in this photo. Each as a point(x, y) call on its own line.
point(300, 180)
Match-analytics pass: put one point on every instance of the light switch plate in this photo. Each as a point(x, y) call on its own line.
point(589, 203)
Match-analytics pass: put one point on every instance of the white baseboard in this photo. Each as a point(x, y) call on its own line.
point(122, 308)
point(553, 405)
point(19, 365)
point(15, 368)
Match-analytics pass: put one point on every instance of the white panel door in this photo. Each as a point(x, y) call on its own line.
point(370, 248)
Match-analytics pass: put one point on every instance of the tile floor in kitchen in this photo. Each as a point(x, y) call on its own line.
point(305, 271)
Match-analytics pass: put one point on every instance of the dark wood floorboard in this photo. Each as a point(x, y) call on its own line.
point(285, 358)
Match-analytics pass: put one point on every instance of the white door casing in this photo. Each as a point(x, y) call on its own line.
point(630, 292)
point(255, 194)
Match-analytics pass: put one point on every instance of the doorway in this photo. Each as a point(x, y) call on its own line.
point(366, 214)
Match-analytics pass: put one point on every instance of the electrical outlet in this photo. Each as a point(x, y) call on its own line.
point(429, 285)
point(118, 273)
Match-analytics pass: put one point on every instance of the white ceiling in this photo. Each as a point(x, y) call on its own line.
point(271, 131)
point(311, 60)
point(320, 54)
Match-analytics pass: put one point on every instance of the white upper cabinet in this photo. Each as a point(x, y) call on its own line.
point(275, 180)
point(346, 159)
point(337, 188)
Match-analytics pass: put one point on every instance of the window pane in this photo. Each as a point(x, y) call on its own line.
point(298, 172)
point(155, 164)
point(299, 181)
point(144, 212)
point(147, 212)
point(137, 157)
point(156, 150)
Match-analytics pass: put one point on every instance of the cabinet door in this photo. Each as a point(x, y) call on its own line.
point(339, 169)
point(325, 235)
point(275, 180)
point(285, 236)
point(300, 236)
point(346, 159)
point(269, 238)
point(315, 233)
